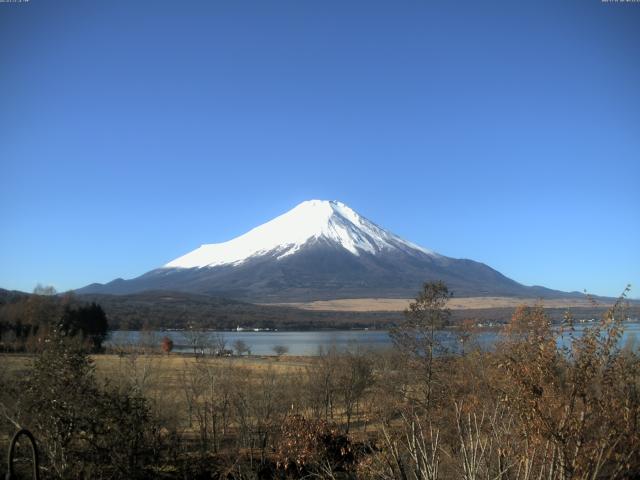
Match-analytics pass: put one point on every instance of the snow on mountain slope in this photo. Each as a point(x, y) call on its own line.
point(285, 235)
point(319, 250)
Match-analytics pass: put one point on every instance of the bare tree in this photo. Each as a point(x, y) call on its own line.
point(466, 332)
point(414, 453)
point(241, 347)
point(47, 290)
point(280, 350)
point(196, 339)
point(148, 340)
point(322, 382)
point(219, 343)
point(416, 335)
point(354, 376)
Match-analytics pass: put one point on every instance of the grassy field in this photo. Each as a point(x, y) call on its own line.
point(399, 304)
point(168, 367)
point(165, 380)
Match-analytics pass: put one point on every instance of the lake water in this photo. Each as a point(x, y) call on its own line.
point(309, 343)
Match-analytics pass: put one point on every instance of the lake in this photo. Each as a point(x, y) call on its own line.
point(309, 343)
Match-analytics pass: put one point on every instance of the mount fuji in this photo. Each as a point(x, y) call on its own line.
point(319, 250)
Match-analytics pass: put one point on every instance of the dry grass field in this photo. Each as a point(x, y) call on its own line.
point(164, 372)
point(168, 381)
point(400, 304)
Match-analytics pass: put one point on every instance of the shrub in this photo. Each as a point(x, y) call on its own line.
point(311, 446)
point(167, 345)
point(83, 430)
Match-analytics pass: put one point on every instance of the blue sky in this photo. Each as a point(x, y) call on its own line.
point(506, 132)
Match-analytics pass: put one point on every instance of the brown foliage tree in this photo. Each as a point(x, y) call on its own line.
point(308, 447)
point(167, 345)
point(578, 406)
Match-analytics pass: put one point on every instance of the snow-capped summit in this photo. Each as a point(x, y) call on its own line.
point(310, 221)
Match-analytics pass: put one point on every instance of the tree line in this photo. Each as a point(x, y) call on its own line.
point(28, 321)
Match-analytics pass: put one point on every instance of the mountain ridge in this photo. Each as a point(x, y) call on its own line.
point(320, 250)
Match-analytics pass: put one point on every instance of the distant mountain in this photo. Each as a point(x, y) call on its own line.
point(9, 296)
point(320, 250)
